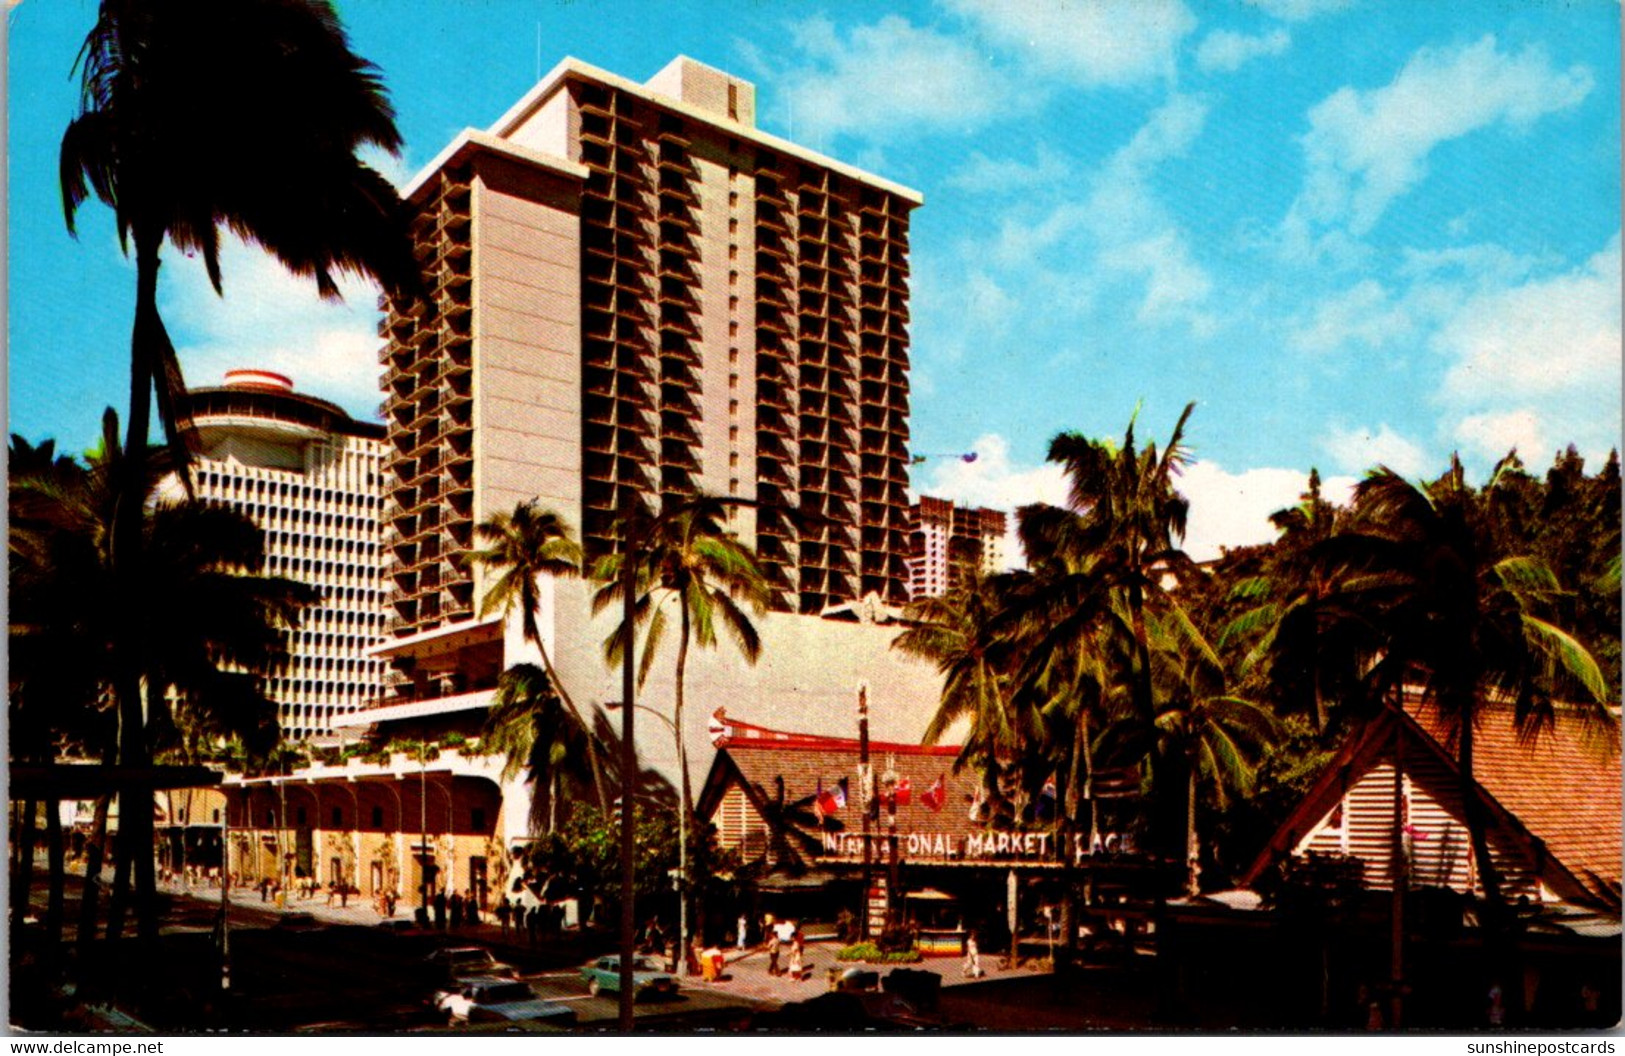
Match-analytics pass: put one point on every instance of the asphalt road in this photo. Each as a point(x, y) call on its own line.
point(318, 978)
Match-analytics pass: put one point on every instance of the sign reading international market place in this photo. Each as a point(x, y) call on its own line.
point(974, 846)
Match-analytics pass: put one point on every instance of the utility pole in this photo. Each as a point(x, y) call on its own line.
point(889, 779)
point(225, 894)
point(866, 799)
point(629, 775)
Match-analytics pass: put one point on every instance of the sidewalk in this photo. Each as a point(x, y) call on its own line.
point(745, 973)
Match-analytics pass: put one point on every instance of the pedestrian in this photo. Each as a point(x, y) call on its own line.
point(344, 895)
point(471, 907)
point(1497, 1013)
point(504, 911)
point(773, 953)
point(795, 956)
point(973, 957)
point(533, 922)
point(456, 907)
point(739, 939)
point(440, 910)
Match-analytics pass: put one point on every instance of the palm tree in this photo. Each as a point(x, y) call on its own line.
point(1129, 520)
point(955, 632)
point(524, 546)
point(1423, 598)
point(685, 555)
point(215, 626)
point(1458, 620)
point(1201, 728)
point(194, 115)
point(530, 728)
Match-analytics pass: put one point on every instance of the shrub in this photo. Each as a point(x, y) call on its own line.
point(868, 951)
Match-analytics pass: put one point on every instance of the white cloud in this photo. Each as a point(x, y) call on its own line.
point(984, 175)
point(1493, 435)
point(1364, 314)
point(1300, 10)
point(1539, 360)
point(1229, 510)
point(1105, 42)
point(1224, 51)
point(1364, 149)
point(889, 78)
point(270, 319)
point(1136, 234)
point(1359, 449)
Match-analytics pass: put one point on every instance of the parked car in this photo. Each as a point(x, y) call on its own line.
point(603, 976)
point(297, 921)
point(493, 999)
point(459, 962)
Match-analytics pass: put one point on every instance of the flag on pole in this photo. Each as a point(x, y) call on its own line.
point(935, 796)
point(825, 802)
point(1044, 809)
point(905, 792)
point(840, 794)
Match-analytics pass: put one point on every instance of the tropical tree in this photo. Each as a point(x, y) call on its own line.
point(1457, 620)
point(954, 631)
point(1201, 730)
point(285, 105)
point(522, 547)
point(1129, 522)
point(529, 725)
point(686, 558)
point(215, 625)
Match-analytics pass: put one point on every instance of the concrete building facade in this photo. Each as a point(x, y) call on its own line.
point(639, 295)
point(311, 477)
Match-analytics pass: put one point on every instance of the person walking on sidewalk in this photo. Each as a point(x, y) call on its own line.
point(504, 911)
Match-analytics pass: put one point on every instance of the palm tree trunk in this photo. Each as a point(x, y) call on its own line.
point(1399, 880)
point(56, 857)
point(23, 871)
point(118, 900)
point(93, 879)
point(1193, 846)
point(592, 740)
point(1495, 923)
point(687, 806)
point(135, 816)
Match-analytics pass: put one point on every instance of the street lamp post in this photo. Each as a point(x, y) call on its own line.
point(866, 797)
point(681, 966)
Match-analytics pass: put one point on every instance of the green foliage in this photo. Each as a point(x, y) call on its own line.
point(583, 855)
point(871, 953)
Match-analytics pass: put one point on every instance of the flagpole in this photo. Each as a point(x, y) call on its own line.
point(865, 798)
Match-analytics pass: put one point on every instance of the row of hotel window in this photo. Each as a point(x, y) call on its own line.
point(241, 488)
point(348, 664)
point(302, 541)
point(276, 564)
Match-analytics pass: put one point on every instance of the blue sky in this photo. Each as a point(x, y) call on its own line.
point(1351, 231)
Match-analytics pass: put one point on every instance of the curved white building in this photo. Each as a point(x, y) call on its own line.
point(309, 475)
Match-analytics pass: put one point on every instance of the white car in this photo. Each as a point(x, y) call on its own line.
point(491, 999)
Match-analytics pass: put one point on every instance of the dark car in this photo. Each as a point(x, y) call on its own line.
point(490, 999)
point(460, 962)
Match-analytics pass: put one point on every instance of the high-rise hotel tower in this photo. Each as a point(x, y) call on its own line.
point(638, 294)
